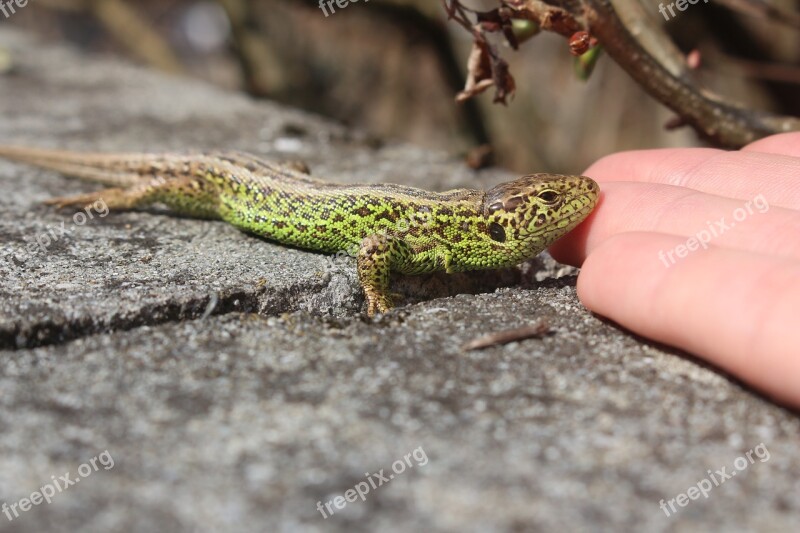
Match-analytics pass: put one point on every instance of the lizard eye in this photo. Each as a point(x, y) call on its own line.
point(497, 206)
point(548, 196)
point(496, 232)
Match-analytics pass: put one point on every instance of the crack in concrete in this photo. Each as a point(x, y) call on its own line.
point(55, 332)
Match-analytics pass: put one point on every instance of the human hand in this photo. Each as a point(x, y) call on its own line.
point(700, 249)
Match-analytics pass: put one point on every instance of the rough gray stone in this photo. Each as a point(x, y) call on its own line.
point(235, 383)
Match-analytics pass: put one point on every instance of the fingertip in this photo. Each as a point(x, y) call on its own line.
point(606, 268)
point(569, 250)
point(733, 308)
point(615, 167)
point(572, 248)
point(663, 165)
point(782, 144)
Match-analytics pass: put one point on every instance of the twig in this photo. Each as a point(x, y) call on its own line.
point(126, 25)
point(763, 71)
point(262, 70)
point(423, 18)
point(504, 337)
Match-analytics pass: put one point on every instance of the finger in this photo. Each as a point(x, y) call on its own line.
point(740, 175)
point(735, 309)
point(699, 218)
point(782, 144)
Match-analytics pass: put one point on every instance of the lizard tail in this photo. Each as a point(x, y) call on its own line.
point(114, 170)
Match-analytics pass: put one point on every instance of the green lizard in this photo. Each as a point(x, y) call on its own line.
point(395, 228)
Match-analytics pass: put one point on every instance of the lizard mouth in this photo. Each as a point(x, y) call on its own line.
point(581, 205)
point(584, 205)
point(587, 200)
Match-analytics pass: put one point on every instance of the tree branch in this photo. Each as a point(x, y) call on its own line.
point(640, 48)
point(719, 122)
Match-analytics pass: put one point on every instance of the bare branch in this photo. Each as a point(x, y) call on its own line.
point(721, 123)
point(640, 47)
point(127, 26)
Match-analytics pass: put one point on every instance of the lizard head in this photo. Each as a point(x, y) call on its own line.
point(525, 216)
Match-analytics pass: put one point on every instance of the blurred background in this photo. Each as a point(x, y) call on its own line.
point(393, 68)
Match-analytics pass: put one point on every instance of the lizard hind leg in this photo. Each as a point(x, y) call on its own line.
point(185, 196)
point(114, 198)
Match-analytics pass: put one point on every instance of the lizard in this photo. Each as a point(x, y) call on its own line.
point(390, 228)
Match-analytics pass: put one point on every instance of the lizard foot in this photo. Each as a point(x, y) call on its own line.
point(378, 304)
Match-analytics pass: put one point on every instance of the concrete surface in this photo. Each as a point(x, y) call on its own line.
point(234, 383)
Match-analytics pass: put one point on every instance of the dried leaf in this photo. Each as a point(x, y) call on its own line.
point(485, 70)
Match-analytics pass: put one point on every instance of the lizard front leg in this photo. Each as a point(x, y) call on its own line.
point(377, 256)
